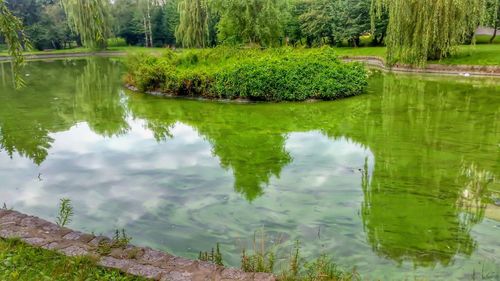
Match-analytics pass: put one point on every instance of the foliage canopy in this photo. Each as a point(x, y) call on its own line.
point(419, 30)
point(89, 19)
point(11, 30)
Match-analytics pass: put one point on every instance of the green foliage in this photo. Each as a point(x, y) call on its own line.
point(11, 29)
point(320, 269)
point(262, 259)
point(171, 21)
point(419, 30)
point(192, 30)
point(267, 75)
point(126, 21)
point(492, 18)
point(333, 21)
point(119, 241)
point(89, 18)
point(65, 212)
point(21, 262)
point(215, 256)
point(255, 22)
point(45, 23)
point(116, 42)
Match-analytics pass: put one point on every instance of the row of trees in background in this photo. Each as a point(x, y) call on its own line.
point(413, 30)
point(56, 24)
point(275, 22)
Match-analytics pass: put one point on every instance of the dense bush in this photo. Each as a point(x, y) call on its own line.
point(116, 42)
point(270, 75)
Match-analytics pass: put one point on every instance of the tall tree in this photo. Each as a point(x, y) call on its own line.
point(354, 20)
point(318, 20)
point(335, 20)
point(252, 21)
point(420, 30)
point(127, 21)
point(89, 18)
point(11, 29)
point(192, 30)
point(171, 20)
point(493, 17)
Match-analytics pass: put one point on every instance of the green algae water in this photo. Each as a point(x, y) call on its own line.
point(402, 182)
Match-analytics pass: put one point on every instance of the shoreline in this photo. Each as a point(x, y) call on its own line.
point(370, 61)
point(138, 261)
point(134, 89)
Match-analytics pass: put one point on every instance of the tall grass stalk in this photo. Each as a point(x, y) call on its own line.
point(65, 213)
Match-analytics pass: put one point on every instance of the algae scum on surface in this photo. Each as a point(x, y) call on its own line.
point(400, 182)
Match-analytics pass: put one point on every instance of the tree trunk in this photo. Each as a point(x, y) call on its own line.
point(494, 33)
point(146, 42)
point(149, 25)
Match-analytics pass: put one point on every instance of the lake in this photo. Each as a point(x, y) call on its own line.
point(402, 182)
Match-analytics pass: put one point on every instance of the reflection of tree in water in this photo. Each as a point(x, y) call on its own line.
point(475, 193)
point(54, 102)
point(420, 201)
point(253, 156)
point(414, 208)
point(97, 100)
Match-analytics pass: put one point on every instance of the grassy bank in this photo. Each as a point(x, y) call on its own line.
point(283, 74)
point(19, 261)
point(479, 54)
point(127, 49)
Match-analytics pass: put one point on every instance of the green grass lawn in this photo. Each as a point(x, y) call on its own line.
point(19, 261)
point(362, 51)
point(485, 39)
point(480, 54)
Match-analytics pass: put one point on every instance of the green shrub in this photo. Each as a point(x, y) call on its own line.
point(268, 75)
point(117, 42)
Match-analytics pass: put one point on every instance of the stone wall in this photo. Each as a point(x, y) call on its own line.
point(134, 260)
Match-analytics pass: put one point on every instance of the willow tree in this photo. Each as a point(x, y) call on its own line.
point(88, 18)
point(493, 17)
point(192, 30)
point(11, 28)
point(252, 21)
point(421, 30)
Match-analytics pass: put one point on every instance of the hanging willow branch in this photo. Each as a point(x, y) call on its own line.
point(192, 30)
point(89, 19)
point(420, 30)
point(11, 28)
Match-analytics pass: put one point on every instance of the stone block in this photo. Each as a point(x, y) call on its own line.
point(120, 264)
point(147, 271)
point(177, 275)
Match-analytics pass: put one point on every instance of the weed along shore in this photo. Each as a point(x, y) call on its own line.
point(116, 253)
